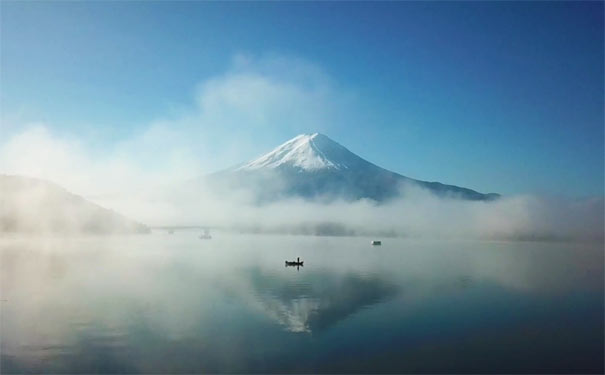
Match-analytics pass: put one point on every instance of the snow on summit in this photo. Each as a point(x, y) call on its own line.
point(307, 152)
point(313, 165)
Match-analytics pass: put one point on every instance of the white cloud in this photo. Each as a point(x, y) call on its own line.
point(257, 99)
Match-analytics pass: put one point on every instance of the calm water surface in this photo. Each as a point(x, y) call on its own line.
point(174, 303)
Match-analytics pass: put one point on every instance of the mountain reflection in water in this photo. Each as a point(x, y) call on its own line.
point(318, 299)
point(174, 304)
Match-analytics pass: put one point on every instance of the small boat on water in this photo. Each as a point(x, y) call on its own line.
point(206, 235)
point(376, 243)
point(295, 263)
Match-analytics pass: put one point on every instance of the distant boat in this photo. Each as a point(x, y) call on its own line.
point(170, 231)
point(206, 235)
point(295, 263)
point(375, 243)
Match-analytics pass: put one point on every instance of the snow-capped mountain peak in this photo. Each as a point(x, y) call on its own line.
point(313, 165)
point(306, 152)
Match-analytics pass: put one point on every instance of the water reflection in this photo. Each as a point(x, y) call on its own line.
point(318, 299)
point(173, 304)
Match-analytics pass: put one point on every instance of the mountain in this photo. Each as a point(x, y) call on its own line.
point(314, 166)
point(36, 206)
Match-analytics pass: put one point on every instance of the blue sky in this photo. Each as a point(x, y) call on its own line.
point(496, 96)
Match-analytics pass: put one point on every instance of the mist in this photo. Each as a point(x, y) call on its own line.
point(33, 206)
point(417, 213)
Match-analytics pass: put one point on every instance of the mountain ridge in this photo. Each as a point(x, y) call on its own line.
point(312, 165)
point(33, 205)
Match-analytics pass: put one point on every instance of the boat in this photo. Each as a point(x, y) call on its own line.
point(375, 243)
point(206, 235)
point(295, 263)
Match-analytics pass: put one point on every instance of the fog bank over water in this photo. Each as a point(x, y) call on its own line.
point(37, 207)
point(417, 213)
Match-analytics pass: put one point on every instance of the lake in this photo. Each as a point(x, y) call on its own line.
point(166, 303)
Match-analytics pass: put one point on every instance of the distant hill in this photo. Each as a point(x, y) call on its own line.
point(313, 165)
point(32, 205)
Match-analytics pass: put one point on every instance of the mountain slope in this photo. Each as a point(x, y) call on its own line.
point(36, 206)
point(314, 166)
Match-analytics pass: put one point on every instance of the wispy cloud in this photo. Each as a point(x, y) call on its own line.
point(267, 98)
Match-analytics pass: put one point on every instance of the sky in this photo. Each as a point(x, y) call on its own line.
point(500, 97)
